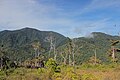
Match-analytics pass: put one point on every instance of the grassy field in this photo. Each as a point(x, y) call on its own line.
point(83, 72)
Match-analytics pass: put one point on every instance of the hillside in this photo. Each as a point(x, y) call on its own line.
point(17, 43)
point(100, 41)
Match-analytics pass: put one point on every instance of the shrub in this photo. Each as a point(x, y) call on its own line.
point(51, 63)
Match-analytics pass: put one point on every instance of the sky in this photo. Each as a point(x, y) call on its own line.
point(72, 18)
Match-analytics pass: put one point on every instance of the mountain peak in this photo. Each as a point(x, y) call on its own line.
point(100, 34)
point(27, 28)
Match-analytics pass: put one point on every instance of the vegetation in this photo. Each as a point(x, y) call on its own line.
point(52, 71)
point(19, 43)
point(30, 54)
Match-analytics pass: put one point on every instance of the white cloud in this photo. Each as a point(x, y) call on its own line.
point(86, 27)
point(15, 14)
point(97, 5)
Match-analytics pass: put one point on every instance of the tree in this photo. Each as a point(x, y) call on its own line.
point(70, 47)
point(1, 56)
point(75, 49)
point(63, 51)
point(52, 41)
point(113, 50)
point(38, 49)
point(68, 51)
point(2, 53)
point(94, 58)
point(72, 50)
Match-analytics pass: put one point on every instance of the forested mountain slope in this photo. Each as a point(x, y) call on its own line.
point(18, 43)
point(99, 41)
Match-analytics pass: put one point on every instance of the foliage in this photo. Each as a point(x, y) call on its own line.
point(51, 64)
point(19, 42)
point(93, 72)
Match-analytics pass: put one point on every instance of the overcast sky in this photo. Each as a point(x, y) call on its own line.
point(72, 18)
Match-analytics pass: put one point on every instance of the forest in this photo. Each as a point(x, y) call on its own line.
point(30, 54)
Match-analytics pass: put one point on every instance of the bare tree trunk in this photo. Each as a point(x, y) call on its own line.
point(35, 52)
point(1, 58)
point(95, 57)
point(69, 50)
point(65, 58)
point(55, 54)
point(73, 59)
point(69, 60)
point(49, 53)
point(1, 62)
point(55, 57)
point(51, 46)
point(38, 53)
point(73, 53)
point(69, 56)
point(113, 53)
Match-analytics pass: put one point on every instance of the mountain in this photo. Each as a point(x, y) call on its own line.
point(17, 43)
point(99, 41)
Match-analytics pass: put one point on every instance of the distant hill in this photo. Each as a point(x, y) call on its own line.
point(18, 42)
point(98, 40)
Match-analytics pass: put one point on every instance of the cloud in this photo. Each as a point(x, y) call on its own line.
point(17, 13)
point(95, 5)
point(89, 35)
point(47, 15)
point(84, 28)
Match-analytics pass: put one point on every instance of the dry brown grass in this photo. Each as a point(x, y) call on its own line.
point(67, 73)
point(102, 75)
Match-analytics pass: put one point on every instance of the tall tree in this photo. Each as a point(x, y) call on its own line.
point(38, 49)
point(94, 58)
point(1, 55)
point(113, 50)
point(70, 50)
point(52, 41)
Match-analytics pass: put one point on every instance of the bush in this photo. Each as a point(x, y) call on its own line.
point(51, 63)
